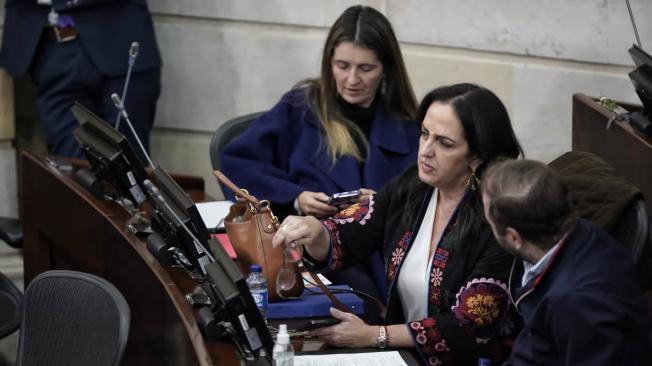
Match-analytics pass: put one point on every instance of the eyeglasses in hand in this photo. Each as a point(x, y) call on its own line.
point(286, 278)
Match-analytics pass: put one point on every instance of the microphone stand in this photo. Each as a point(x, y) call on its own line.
point(133, 53)
point(121, 108)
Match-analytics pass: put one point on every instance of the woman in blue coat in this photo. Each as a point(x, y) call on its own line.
point(352, 128)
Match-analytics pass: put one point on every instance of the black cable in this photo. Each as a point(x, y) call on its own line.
point(340, 291)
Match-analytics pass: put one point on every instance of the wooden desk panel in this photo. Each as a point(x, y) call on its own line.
point(65, 227)
point(628, 150)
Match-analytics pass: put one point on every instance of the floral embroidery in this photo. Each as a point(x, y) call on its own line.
point(441, 346)
point(336, 245)
point(397, 255)
point(435, 361)
point(479, 305)
point(436, 276)
point(441, 258)
point(359, 212)
point(430, 342)
point(483, 307)
point(435, 296)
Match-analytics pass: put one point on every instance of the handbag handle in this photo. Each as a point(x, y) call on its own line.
point(237, 190)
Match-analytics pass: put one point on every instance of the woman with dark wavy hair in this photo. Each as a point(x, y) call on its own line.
point(446, 274)
point(351, 128)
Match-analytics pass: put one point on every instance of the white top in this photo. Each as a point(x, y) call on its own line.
point(414, 276)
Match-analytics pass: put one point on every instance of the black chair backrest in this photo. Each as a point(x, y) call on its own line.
point(11, 232)
point(604, 197)
point(226, 133)
point(72, 318)
point(632, 229)
point(10, 306)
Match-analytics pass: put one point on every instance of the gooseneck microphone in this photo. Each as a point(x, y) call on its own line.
point(133, 53)
point(631, 17)
point(121, 108)
point(155, 193)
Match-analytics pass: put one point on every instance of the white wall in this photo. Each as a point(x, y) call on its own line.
point(224, 58)
point(228, 58)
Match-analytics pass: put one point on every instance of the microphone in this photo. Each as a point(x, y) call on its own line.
point(155, 193)
point(133, 53)
point(631, 17)
point(123, 112)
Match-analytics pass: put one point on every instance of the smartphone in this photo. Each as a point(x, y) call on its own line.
point(343, 198)
point(58, 163)
point(319, 323)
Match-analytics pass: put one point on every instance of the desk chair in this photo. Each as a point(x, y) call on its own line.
point(604, 197)
point(72, 318)
point(228, 132)
point(11, 232)
point(10, 306)
point(633, 229)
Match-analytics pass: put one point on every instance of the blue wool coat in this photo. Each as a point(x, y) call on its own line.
point(283, 154)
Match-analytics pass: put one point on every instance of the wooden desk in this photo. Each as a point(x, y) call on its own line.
point(628, 150)
point(65, 227)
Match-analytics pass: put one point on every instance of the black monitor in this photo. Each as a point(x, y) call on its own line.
point(641, 77)
point(233, 303)
point(179, 206)
point(110, 154)
point(232, 308)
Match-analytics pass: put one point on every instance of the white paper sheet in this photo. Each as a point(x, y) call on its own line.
point(213, 213)
point(389, 358)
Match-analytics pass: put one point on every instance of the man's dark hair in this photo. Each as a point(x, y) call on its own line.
point(529, 197)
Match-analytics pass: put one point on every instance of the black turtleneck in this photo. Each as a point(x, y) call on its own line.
point(362, 117)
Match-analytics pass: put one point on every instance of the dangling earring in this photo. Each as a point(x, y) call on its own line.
point(383, 86)
point(473, 182)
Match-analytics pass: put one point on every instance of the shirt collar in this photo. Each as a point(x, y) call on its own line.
point(532, 270)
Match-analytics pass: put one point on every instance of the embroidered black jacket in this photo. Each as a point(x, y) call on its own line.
point(468, 303)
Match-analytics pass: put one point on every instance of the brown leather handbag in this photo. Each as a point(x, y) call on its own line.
point(250, 225)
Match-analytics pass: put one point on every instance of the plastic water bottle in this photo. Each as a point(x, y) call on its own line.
point(484, 361)
point(283, 353)
point(258, 286)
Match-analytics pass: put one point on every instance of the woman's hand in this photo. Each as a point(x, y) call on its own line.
point(351, 332)
point(314, 204)
point(365, 193)
point(306, 231)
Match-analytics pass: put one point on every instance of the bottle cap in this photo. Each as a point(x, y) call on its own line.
point(283, 337)
point(255, 268)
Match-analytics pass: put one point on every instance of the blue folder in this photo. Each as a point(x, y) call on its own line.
point(313, 303)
